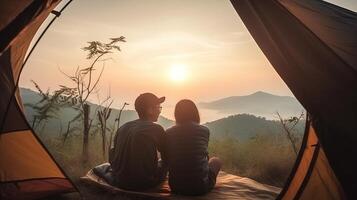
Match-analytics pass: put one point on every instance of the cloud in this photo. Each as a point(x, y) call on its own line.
point(184, 45)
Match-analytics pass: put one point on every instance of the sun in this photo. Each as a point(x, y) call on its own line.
point(178, 72)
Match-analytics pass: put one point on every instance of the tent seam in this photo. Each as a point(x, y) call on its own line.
point(32, 179)
point(13, 130)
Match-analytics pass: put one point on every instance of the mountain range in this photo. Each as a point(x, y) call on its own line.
point(259, 103)
point(244, 126)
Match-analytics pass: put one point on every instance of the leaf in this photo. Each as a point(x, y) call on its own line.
point(117, 48)
point(118, 39)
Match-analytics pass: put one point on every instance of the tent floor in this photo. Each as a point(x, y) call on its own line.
point(228, 187)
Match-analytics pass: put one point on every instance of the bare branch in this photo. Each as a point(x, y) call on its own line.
point(297, 120)
point(94, 85)
point(91, 69)
point(288, 133)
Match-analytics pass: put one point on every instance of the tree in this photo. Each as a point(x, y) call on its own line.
point(116, 125)
point(103, 114)
point(84, 84)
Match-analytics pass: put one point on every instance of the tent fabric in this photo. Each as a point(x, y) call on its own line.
point(38, 163)
point(228, 186)
point(34, 189)
point(304, 159)
point(329, 22)
point(27, 170)
point(313, 178)
point(312, 46)
point(8, 14)
point(16, 116)
point(322, 183)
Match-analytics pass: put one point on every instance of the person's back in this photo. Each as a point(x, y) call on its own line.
point(134, 161)
point(134, 158)
point(188, 158)
point(190, 171)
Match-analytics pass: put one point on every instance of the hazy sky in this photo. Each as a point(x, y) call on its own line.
point(204, 37)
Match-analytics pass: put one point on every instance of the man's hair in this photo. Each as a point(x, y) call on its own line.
point(186, 111)
point(141, 112)
point(143, 109)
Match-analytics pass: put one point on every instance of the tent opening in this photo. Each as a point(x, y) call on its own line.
point(186, 51)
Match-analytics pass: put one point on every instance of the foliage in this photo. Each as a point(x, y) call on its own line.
point(245, 126)
point(83, 81)
point(46, 108)
point(264, 158)
point(103, 114)
point(76, 95)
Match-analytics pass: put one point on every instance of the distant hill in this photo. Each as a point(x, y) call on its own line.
point(66, 114)
point(259, 103)
point(245, 126)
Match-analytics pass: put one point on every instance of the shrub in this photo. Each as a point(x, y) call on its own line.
point(264, 158)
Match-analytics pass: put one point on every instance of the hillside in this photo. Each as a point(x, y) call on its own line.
point(53, 126)
point(245, 126)
point(259, 103)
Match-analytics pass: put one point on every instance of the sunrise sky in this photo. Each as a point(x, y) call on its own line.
point(175, 48)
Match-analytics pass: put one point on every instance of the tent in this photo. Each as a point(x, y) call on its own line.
point(27, 170)
point(312, 45)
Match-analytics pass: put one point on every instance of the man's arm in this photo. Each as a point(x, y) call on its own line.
point(161, 145)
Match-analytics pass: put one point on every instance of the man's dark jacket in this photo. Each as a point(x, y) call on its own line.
point(134, 159)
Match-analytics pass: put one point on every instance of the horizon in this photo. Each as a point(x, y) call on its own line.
point(209, 114)
point(198, 50)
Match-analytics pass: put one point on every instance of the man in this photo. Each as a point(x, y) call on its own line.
point(134, 159)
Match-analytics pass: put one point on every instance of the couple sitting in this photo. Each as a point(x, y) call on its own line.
point(183, 149)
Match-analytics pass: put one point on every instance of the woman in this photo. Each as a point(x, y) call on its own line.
point(190, 171)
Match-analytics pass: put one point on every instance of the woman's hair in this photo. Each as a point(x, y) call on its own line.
point(186, 111)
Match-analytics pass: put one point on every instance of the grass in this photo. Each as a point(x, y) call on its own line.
point(265, 158)
point(69, 155)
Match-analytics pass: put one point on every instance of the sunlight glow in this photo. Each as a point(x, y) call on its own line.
point(178, 72)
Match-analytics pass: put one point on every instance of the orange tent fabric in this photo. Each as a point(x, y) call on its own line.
point(27, 170)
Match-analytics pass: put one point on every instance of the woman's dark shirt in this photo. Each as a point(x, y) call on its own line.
point(188, 158)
